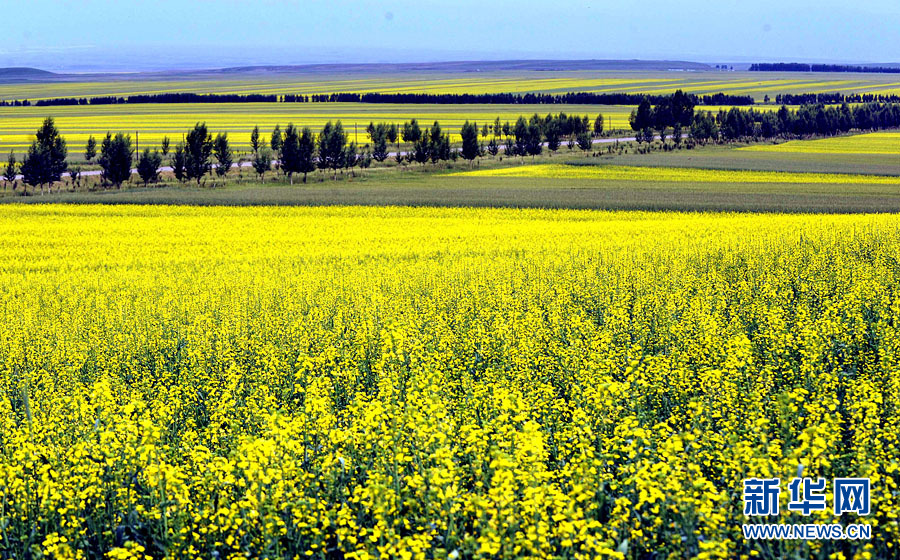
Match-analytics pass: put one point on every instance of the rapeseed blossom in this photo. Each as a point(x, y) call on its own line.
point(437, 383)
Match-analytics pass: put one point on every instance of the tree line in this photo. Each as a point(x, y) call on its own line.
point(675, 111)
point(571, 98)
point(461, 99)
point(801, 67)
point(301, 151)
point(738, 124)
point(161, 98)
point(835, 98)
point(45, 162)
point(292, 151)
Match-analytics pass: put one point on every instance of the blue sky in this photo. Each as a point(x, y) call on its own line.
point(142, 34)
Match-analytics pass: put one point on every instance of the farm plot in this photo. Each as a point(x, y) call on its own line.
point(403, 382)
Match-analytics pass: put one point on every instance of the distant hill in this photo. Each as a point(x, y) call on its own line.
point(23, 75)
point(471, 66)
point(14, 75)
point(34, 75)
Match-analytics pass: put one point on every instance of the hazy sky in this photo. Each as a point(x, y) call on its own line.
point(81, 34)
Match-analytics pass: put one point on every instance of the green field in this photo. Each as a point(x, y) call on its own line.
point(712, 178)
point(875, 143)
point(678, 175)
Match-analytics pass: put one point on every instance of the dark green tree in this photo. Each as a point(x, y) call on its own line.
point(704, 127)
point(115, 158)
point(492, 147)
point(509, 146)
point(439, 144)
point(534, 137)
point(290, 152)
point(350, 156)
point(90, 149)
point(681, 108)
point(845, 122)
point(421, 150)
point(469, 133)
point(148, 166)
point(411, 132)
point(584, 140)
point(768, 124)
point(254, 139)
point(379, 135)
point(598, 125)
point(364, 160)
point(736, 124)
point(332, 147)
point(165, 146)
point(45, 161)
point(662, 119)
point(276, 141)
point(223, 153)
point(10, 171)
point(552, 133)
point(392, 133)
point(262, 161)
point(784, 120)
point(307, 153)
point(520, 131)
point(198, 152)
point(179, 163)
point(642, 117)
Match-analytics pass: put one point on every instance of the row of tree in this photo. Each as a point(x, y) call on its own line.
point(46, 159)
point(293, 151)
point(571, 98)
point(807, 120)
point(737, 123)
point(300, 151)
point(835, 98)
point(675, 111)
point(161, 98)
point(801, 67)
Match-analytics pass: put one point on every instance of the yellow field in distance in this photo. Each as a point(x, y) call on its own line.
point(676, 175)
point(154, 121)
point(757, 84)
point(874, 143)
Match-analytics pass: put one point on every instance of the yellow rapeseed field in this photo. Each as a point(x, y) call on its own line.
point(872, 143)
point(756, 84)
point(677, 175)
point(150, 123)
point(437, 383)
